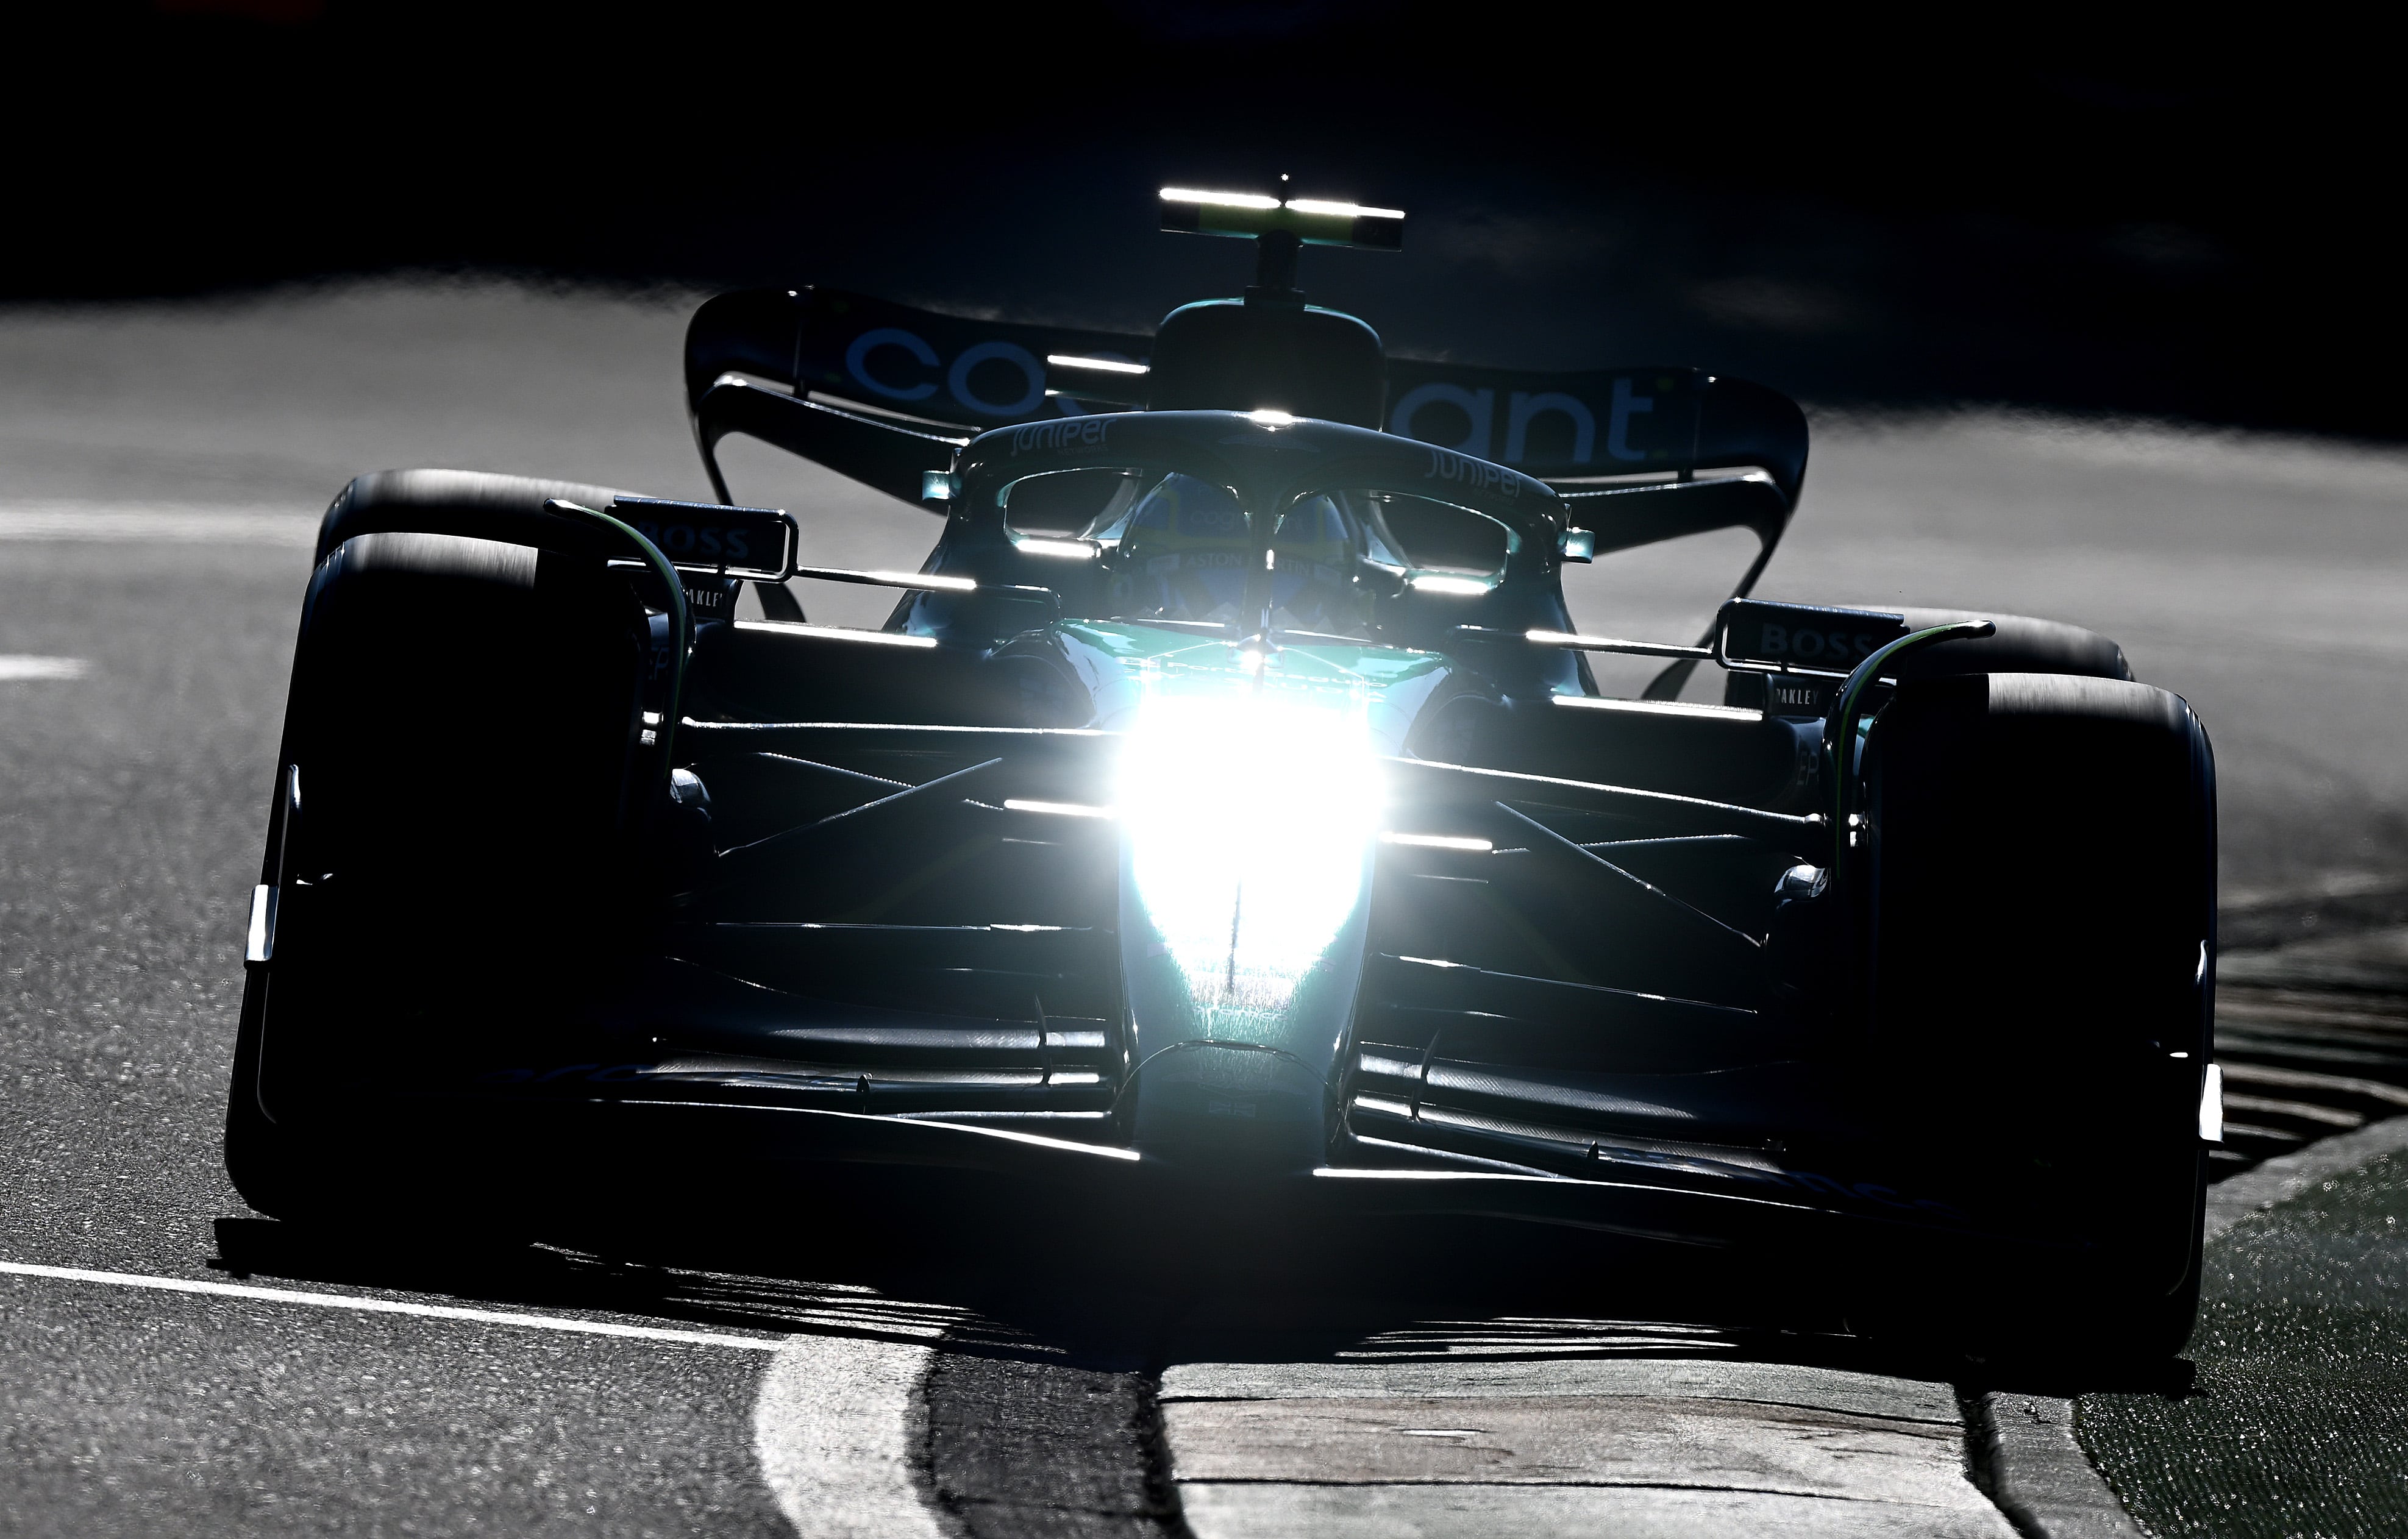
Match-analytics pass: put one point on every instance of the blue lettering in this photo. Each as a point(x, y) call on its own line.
point(1479, 406)
point(1617, 433)
point(1523, 407)
point(856, 361)
point(958, 378)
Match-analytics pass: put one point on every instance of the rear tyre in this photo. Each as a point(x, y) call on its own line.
point(2038, 880)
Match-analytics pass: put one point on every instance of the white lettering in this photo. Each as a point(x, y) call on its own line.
point(1522, 407)
point(1061, 433)
point(856, 361)
point(1617, 433)
point(1447, 465)
point(1479, 406)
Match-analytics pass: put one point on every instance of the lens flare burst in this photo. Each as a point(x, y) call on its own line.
point(1250, 806)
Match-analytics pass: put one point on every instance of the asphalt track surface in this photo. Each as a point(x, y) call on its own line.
point(159, 472)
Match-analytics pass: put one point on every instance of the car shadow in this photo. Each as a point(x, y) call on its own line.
point(1035, 1274)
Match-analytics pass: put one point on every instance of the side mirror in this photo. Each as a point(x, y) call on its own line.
point(1576, 545)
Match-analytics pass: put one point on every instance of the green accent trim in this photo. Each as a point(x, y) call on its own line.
point(681, 622)
point(1839, 738)
point(1134, 641)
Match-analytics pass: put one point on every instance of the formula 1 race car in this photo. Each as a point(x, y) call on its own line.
point(1228, 806)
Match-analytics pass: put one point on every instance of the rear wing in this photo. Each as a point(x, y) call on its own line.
point(1602, 425)
point(897, 388)
point(884, 392)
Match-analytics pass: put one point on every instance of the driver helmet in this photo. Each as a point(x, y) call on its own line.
point(1186, 552)
point(1313, 585)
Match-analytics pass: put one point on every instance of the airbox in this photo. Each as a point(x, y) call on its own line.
point(1229, 355)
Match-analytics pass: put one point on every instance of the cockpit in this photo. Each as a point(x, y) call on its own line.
point(1172, 546)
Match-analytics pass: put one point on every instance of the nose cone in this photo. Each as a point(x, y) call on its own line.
point(1249, 819)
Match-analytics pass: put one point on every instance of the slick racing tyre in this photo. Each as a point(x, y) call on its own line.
point(450, 849)
point(2038, 877)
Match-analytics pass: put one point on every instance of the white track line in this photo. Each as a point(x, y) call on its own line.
point(390, 1306)
point(837, 1423)
point(16, 667)
point(120, 523)
point(839, 1427)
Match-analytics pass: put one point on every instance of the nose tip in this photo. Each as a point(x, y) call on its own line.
point(1213, 1106)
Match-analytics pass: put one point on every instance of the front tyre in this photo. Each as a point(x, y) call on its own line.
point(2037, 879)
point(454, 848)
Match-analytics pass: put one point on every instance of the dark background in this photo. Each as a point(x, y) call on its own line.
point(2186, 215)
